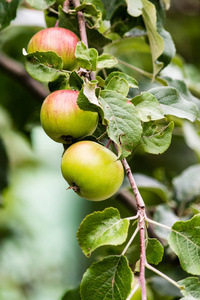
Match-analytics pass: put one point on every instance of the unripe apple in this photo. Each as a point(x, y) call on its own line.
point(63, 120)
point(92, 170)
point(59, 40)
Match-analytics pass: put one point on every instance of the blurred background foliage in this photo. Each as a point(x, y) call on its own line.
point(39, 254)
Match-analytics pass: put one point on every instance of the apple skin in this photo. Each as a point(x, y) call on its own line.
point(63, 120)
point(92, 170)
point(59, 40)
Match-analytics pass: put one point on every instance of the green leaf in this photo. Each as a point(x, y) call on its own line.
point(110, 6)
point(106, 61)
point(119, 85)
point(91, 13)
point(184, 240)
point(174, 104)
point(155, 139)
point(87, 100)
point(192, 138)
point(111, 279)
point(190, 287)
point(148, 107)
point(44, 66)
point(99, 6)
point(8, 11)
point(132, 83)
point(155, 40)
point(134, 7)
point(182, 88)
point(86, 57)
point(124, 126)
point(187, 184)
point(75, 81)
point(154, 251)
point(73, 294)
point(40, 4)
point(152, 185)
point(133, 51)
point(61, 83)
point(102, 228)
point(164, 215)
point(169, 47)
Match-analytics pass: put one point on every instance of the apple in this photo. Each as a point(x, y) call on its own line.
point(59, 40)
point(63, 120)
point(92, 170)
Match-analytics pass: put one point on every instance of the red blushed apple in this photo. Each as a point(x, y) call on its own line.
point(59, 40)
point(63, 120)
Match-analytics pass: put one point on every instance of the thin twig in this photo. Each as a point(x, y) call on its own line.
point(130, 241)
point(162, 275)
point(16, 71)
point(133, 291)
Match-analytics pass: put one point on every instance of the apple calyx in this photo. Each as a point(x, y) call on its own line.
point(67, 139)
point(74, 187)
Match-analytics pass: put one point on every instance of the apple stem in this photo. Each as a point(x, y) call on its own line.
point(108, 144)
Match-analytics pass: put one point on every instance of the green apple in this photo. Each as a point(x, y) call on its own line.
point(92, 170)
point(63, 120)
point(59, 40)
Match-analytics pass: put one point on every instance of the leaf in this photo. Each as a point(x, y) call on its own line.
point(132, 83)
point(155, 40)
point(183, 90)
point(86, 57)
point(184, 240)
point(44, 66)
point(164, 215)
point(102, 228)
point(150, 184)
point(91, 103)
point(134, 7)
point(119, 85)
point(73, 294)
point(75, 81)
point(169, 47)
point(61, 83)
point(191, 136)
point(8, 11)
point(132, 51)
point(40, 4)
point(91, 13)
point(154, 139)
point(174, 104)
point(124, 126)
point(99, 6)
point(187, 184)
point(111, 279)
point(110, 6)
point(190, 287)
point(148, 107)
point(106, 61)
point(154, 251)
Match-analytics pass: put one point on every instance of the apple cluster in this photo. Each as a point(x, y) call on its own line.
point(90, 169)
